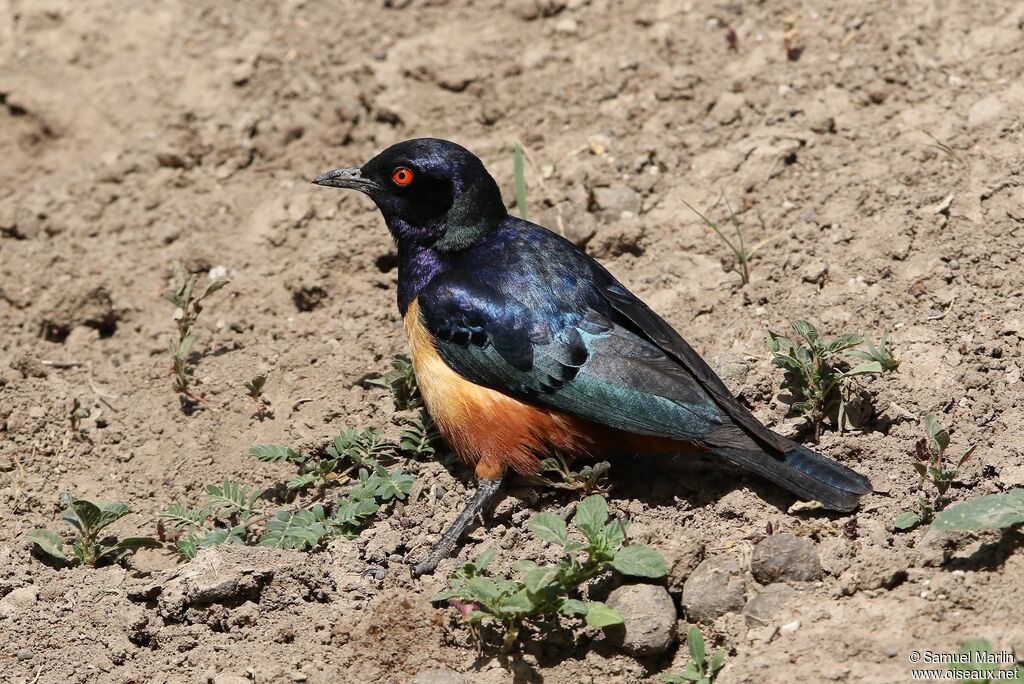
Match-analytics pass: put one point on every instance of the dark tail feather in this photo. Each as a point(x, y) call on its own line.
point(806, 473)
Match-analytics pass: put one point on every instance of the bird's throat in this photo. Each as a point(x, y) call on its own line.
point(417, 266)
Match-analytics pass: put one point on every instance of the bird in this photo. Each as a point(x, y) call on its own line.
point(522, 343)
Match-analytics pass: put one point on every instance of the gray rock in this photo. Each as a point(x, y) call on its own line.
point(768, 604)
point(25, 654)
point(441, 675)
point(785, 558)
point(728, 107)
point(621, 237)
point(714, 588)
point(815, 272)
point(231, 679)
point(18, 601)
point(617, 199)
point(731, 368)
point(649, 617)
point(579, 226)
point(682, 555)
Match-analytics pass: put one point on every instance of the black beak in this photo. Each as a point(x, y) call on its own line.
point(351, 178)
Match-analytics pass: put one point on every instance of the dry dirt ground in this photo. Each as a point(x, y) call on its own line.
point(878, 142)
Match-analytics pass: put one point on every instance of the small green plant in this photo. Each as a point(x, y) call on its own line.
point(737, 246)
point(543, 592)
point(401, 382)
point(989, 512)
point(254, 388)
point(349, 450)
point(89, 547)
point(882, 354)
point(816, 369)
point(75, 417)
point(700, 668)
point(420, 438)
point(590, 479)
point(231, 516)
point(520, 179)
point(187, 310)
point(930, 452)
point(978, 663)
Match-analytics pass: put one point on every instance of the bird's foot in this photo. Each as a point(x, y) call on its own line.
point(441, 549)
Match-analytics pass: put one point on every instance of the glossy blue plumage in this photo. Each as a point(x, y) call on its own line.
point(518, 309)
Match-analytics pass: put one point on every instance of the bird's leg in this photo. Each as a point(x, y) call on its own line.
point(483, 496)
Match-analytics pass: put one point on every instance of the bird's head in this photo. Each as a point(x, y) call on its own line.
point(432, 193)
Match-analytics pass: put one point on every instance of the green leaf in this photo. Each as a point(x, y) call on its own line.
point(638, 560)
point(135, 543)
point(591, 514)
point(695, 645)
point(907, 520)
point(537, 580)
point(89, 515)
point(49, 543)
point(864, 368)
point(600, 615)
point(516, 604)
point(572, 607)
point(808, 332)
point(395, 485)
point(180, 518)
point(548, 527)
point(112, 512)
point(524, 566)
point(483, 589)
point(301, 481)
point(938, 436)
point(717, 661)
point(223, 535)
point(272, 453)
point(232, 498)
point(484, 558)
point(614, 534)
point(215, 284)
point(185, 346)
point(124, 548)
point(295, 530)
point(989, 512)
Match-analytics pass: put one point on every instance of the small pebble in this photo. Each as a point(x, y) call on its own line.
point(25, 654)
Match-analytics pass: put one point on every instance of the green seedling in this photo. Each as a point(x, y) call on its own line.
point(930, 464)
point(187, 310)
point(231, 517)
point(420, 438)
point(349, 450)
point(989, 512)
point(520, 179)
point(75, 416)
point(816, 369)
point(882, 354)
point(401, 382)
point(89, 547)
point(254, 388)
point(700, 669)
point(542, 592)
point(738, 245)
point(978, 663)
point(590, 479)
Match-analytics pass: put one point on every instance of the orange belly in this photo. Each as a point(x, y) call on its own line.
point(492, 431)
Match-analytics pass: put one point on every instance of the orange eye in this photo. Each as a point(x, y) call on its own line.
point(401, 176)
